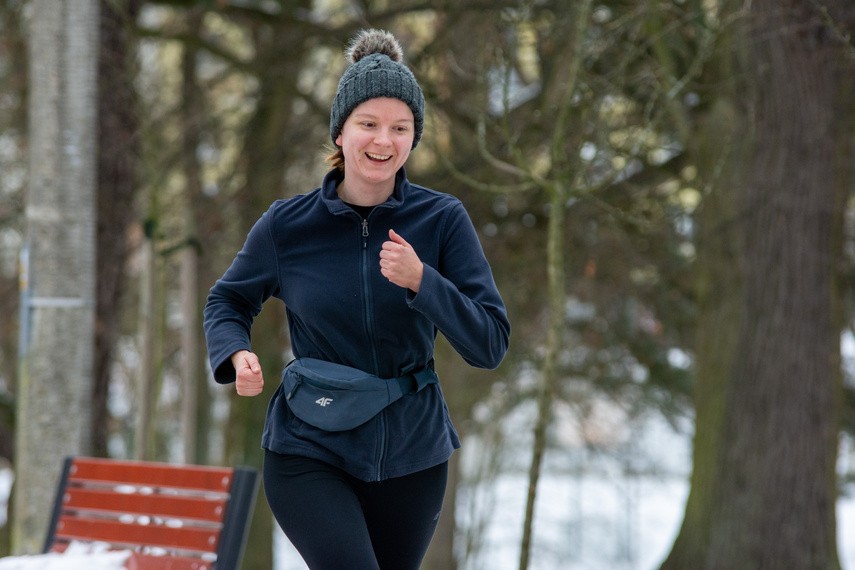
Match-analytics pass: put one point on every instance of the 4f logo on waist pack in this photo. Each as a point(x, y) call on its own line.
point(323, 402)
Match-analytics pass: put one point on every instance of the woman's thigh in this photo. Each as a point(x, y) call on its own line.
point(402, 514)
point(319, 512)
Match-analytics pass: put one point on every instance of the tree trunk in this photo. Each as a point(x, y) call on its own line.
point(117, 184)
point(719, 311)
point(12, 82)
point(148, 353)
point(549, 372)
point(768, 386)
point(440, 555)
point(264, 152)
point(191, 114)
point(246, 423)
point(558, 191)
point(57, 343)
point(463, 387)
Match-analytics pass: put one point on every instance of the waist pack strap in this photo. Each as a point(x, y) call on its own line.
point(415, 381)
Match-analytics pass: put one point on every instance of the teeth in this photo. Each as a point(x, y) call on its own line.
point(378, 156)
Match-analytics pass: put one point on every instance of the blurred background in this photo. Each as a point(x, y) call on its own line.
point(664, 190)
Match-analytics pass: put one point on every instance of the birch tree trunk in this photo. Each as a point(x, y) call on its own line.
point(57, 342)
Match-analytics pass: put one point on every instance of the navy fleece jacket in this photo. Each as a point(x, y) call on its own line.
point(319, 257)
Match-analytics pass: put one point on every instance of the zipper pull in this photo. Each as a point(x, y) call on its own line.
point(294, 389)
point(364, 233)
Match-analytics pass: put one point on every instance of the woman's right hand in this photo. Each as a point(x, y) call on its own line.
point(250, 380)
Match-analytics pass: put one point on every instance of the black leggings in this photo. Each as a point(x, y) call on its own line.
point(337, 521)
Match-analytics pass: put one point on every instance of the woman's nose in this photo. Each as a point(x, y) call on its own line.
point(382, 138)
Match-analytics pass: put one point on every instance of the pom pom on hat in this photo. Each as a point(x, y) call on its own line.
point(376, 70)
point(368, 42)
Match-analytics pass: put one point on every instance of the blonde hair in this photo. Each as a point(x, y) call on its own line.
point(335, 157)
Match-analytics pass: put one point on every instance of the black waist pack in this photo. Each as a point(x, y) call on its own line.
point(334, 397)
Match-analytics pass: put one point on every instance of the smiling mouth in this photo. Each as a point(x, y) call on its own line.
point(378, 157)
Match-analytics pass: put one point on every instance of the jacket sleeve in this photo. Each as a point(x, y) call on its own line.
point(460, 296)
point(236, 299)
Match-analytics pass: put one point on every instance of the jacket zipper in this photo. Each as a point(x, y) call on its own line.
point(366, 288)
point(369, 322)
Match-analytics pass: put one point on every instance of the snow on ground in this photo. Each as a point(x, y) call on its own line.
point(76, 557)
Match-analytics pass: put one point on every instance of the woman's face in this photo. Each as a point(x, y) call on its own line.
point(376, 140)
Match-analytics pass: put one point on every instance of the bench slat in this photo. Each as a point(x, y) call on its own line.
point(111, 501)
point(151, 474)
point(117, 533)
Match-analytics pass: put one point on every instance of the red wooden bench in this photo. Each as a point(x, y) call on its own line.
point(173, 517)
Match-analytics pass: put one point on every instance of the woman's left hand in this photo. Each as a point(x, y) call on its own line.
point(400, 264)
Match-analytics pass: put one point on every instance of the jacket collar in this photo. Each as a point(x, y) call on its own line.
point(337, 206)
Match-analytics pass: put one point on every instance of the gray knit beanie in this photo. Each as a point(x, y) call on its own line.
point(376, 70)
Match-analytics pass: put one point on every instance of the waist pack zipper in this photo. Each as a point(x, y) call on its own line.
point(299, 382)
point(294, 389)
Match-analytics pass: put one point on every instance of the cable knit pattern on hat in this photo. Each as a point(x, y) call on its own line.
point(376, 70)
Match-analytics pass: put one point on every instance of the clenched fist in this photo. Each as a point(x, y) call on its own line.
point(400, 264)
point(250, 380)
